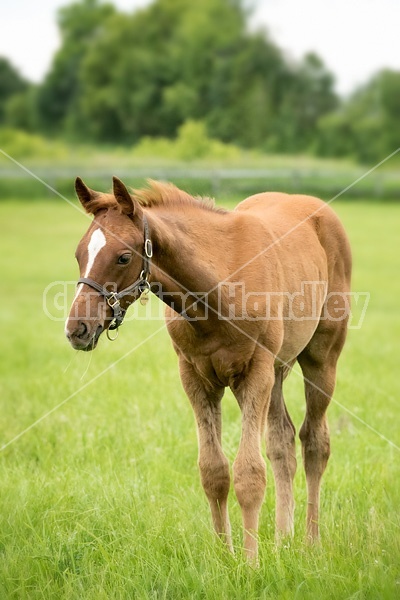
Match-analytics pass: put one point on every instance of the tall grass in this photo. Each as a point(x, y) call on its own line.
point(101, 498)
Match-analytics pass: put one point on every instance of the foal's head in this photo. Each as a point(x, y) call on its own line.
point(110, 254)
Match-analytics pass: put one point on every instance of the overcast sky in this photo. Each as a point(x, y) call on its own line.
point(355, 38)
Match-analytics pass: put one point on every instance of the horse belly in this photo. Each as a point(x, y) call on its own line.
point(301, 316)
point(295, 339)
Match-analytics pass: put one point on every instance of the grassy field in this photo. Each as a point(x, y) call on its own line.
point(101, 497)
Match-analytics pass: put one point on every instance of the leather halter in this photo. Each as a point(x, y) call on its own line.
point(141, 284)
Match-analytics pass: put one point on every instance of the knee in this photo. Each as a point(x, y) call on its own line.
point(316, 454)
point(315, 442)
point(249, 481)
point(280, 444)
point(215, 478)
point(283, 462)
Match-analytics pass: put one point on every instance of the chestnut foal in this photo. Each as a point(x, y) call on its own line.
point(248, 292)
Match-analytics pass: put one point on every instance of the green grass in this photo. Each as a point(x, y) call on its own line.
point(102, 499)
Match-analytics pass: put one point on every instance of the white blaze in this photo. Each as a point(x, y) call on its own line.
point(97, 242)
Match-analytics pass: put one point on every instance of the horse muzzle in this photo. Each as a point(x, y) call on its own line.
point(83, 336)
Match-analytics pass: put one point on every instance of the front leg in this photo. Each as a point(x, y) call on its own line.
point(249, 470)
point(214, 467)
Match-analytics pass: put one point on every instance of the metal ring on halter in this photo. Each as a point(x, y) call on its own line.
point(144, 287)
point(116, 334)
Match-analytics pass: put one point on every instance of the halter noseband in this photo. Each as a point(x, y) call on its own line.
point(142, 284)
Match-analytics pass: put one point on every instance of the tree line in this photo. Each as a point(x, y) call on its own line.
point(119, 77)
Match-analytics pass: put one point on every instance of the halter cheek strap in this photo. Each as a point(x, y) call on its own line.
point(141, 285)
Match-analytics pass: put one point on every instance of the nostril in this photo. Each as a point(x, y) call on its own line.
point(81, 330)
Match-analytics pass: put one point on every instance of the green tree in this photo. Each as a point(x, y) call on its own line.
point(11, 83)
point(120, 77)
point(20, 110)
point(151, 71)
point(367, 125)
point(389, 84)
point(162, 60)
point(309, 95)
point(247, 87)
point(80, 24)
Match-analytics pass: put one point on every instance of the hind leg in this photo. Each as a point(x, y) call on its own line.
point(281, 451)
point(318, 363)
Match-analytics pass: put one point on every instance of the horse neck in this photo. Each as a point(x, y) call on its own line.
point(190, 244)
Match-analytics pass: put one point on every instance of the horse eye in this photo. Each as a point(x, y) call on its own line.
point(124, 259)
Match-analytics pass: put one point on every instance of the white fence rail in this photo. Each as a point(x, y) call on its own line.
point(379, 183)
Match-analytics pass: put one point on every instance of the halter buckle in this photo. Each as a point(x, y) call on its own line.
point(112, 300)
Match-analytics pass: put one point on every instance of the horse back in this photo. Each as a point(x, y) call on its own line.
point(305, 226)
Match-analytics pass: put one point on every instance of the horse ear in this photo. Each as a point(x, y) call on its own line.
point(84, 193)
point(123, 197)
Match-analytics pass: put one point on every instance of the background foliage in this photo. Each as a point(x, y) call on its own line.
point(120, 77)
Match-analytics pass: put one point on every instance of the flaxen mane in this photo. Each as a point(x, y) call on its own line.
point(163, 193)
point(157, 194)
